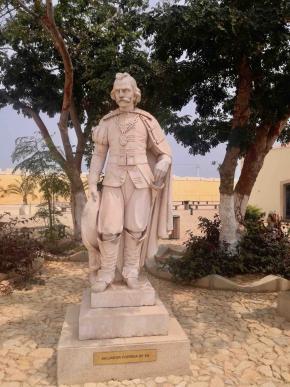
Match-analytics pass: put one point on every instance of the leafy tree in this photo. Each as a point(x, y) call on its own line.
point(20, 253)
point(62, 60)
point(32, 156)
point(2, 191)
point(236, 58)
point(24, 187)
point(53, 185)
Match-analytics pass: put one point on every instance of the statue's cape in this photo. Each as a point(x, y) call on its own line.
point(161, 222)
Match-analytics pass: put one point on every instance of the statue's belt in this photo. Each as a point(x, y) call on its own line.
point(128, 159)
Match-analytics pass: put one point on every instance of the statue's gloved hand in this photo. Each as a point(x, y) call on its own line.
point(161, 169)
point(93, 192)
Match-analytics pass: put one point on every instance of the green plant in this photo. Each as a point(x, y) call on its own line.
point(24, 187)
point(54, 184)
point(2, 191)
point(53, 229)
point(204, 255)
point(253, 214)
point(32, 156)
point(19, 251)
point(263, 248)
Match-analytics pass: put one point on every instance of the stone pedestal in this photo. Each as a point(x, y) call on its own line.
point(120, 342)
point(118, 295)
point(77, 363)
point(108, 323)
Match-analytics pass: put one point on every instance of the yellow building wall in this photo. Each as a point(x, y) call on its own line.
point(11, 199)
point(195, 189)
point(268, 191)
point(5, 180)
point(187, 188)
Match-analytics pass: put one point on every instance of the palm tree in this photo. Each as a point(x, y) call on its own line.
point(2, 192)
point(52, 185)
point(24, 187)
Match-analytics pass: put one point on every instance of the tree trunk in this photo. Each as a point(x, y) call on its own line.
point(234, 200)
point(71, 164)
point(50, 218)
point(230, 231)
point(253, 163)
point(78, 201)
point(229, 226)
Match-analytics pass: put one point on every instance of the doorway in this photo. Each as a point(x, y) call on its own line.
point(287, 201)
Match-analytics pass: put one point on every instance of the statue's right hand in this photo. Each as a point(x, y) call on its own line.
point(93, 192)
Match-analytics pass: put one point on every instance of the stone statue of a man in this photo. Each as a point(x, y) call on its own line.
point(134, 208)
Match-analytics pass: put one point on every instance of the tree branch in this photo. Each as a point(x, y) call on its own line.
point(241, 116)
point(242, 104)
point(49, 23)
point(25, 8)
point(75, 120)
point(80, 135)
point(6, 11)
point(265, 138)
point(46, 136)
point(277, 128)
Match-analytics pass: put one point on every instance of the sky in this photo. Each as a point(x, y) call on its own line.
point(13, 125)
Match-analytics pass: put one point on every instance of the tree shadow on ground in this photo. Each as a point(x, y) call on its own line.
point(218, 319)
point(269, 317)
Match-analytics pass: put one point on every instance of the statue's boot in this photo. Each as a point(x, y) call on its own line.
point(109, 254)
point(94, 264)
point(132, 254)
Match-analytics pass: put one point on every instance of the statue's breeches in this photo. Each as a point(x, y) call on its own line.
point(124, 207)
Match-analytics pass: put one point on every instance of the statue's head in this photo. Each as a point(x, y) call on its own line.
point(125, 90)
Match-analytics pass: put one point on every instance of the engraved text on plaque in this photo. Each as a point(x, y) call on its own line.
point(122, 357)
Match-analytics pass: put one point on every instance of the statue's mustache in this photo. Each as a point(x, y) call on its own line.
point(126, 99)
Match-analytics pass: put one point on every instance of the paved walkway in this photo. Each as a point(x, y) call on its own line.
point(237, 339)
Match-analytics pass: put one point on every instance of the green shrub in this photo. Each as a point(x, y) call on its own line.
point(54, 229)
point(253, 214)
point(265, 248)
point(262, 249)
point(203, 255)
point(19, 252)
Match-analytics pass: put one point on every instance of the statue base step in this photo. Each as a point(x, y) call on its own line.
point(120, 358)
point(118, 295)
point(107, 323)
